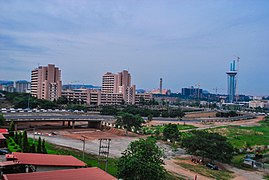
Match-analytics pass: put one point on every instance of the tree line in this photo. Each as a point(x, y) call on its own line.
point(20, 142)
point(25, 100)
point(227, 114)
point(144, 112)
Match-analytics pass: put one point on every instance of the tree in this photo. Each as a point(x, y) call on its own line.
point(171, 132)
point(39, 146)
point(11, 129)
point(108, 110)
point(19, 139)
point(143, 159)
point(150, 117)
point(16, 138)
point(33, 148)
point(43, 147)
point(2, 120)
point(25, 143)
point(208, 145)
point(129, 120)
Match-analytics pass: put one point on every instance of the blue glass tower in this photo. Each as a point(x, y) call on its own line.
point(231, 82)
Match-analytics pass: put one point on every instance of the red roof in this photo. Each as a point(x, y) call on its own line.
point(47, 159)
point(80, 174)
point(2, 136)
point(4, 131)
point(8, 163)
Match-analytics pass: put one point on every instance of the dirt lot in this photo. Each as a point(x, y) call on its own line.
point(250, 122)
point(72, 138)
point(201, 115)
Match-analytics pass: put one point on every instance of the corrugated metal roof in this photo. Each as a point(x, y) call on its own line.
point(47, 159)
point(4, 131)
point(8, 163)
point(79, 174)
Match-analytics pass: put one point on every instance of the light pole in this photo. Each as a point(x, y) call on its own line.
point(83, 149)
point(29, 101)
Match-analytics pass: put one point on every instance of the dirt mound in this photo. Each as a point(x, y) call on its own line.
point(120, 132)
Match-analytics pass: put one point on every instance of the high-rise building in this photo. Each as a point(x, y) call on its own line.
point(110, 83)
point(119, 85)
point(22, 86)
point(46, 82)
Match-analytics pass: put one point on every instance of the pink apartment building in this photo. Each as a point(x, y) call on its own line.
point(46, 82)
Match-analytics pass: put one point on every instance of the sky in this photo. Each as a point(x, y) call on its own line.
point(185, 42)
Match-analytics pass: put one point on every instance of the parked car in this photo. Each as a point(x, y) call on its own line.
point(3, 152)
point(212, 166)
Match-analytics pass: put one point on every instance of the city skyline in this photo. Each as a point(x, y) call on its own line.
point(183, 42)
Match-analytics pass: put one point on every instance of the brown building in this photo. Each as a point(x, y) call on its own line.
point(46, 82)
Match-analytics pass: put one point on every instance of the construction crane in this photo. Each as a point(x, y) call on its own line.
point(198, 90)
point(217, 89)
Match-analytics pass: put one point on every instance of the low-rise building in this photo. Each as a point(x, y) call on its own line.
point(80, 174)
point(259, 103)
point(34, 162)
point(83, 96)
point(146, 97)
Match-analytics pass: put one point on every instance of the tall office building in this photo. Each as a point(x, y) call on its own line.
point(46, 82)
point(119, 85)
point(110, 83)
point(22, 86)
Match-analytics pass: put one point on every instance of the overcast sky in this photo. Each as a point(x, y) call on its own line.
point(186, 42)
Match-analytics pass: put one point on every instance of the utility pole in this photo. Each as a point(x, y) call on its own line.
point(104, 152)
point(83, 148)
point(34, 133)
point(29, 101)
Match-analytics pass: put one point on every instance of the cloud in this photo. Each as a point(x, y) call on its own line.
point(182, 41)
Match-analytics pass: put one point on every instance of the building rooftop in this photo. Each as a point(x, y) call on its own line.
point(4, 131)
point(2, 136)
point(8, 163)
point(80, 174)
point(47, 159)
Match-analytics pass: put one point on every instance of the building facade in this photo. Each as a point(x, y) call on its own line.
point(117, 88)
point(46, 82)
point(22, 86)
point(83, 96)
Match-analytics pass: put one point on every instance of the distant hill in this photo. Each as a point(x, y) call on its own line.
point(78, 86)
point(4, 82)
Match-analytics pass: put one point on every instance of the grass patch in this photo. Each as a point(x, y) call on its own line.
point(238, 160)
point(160, 128)
point(240, 137)
point(12, 146)
point(90, 159)
point(220, 175)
